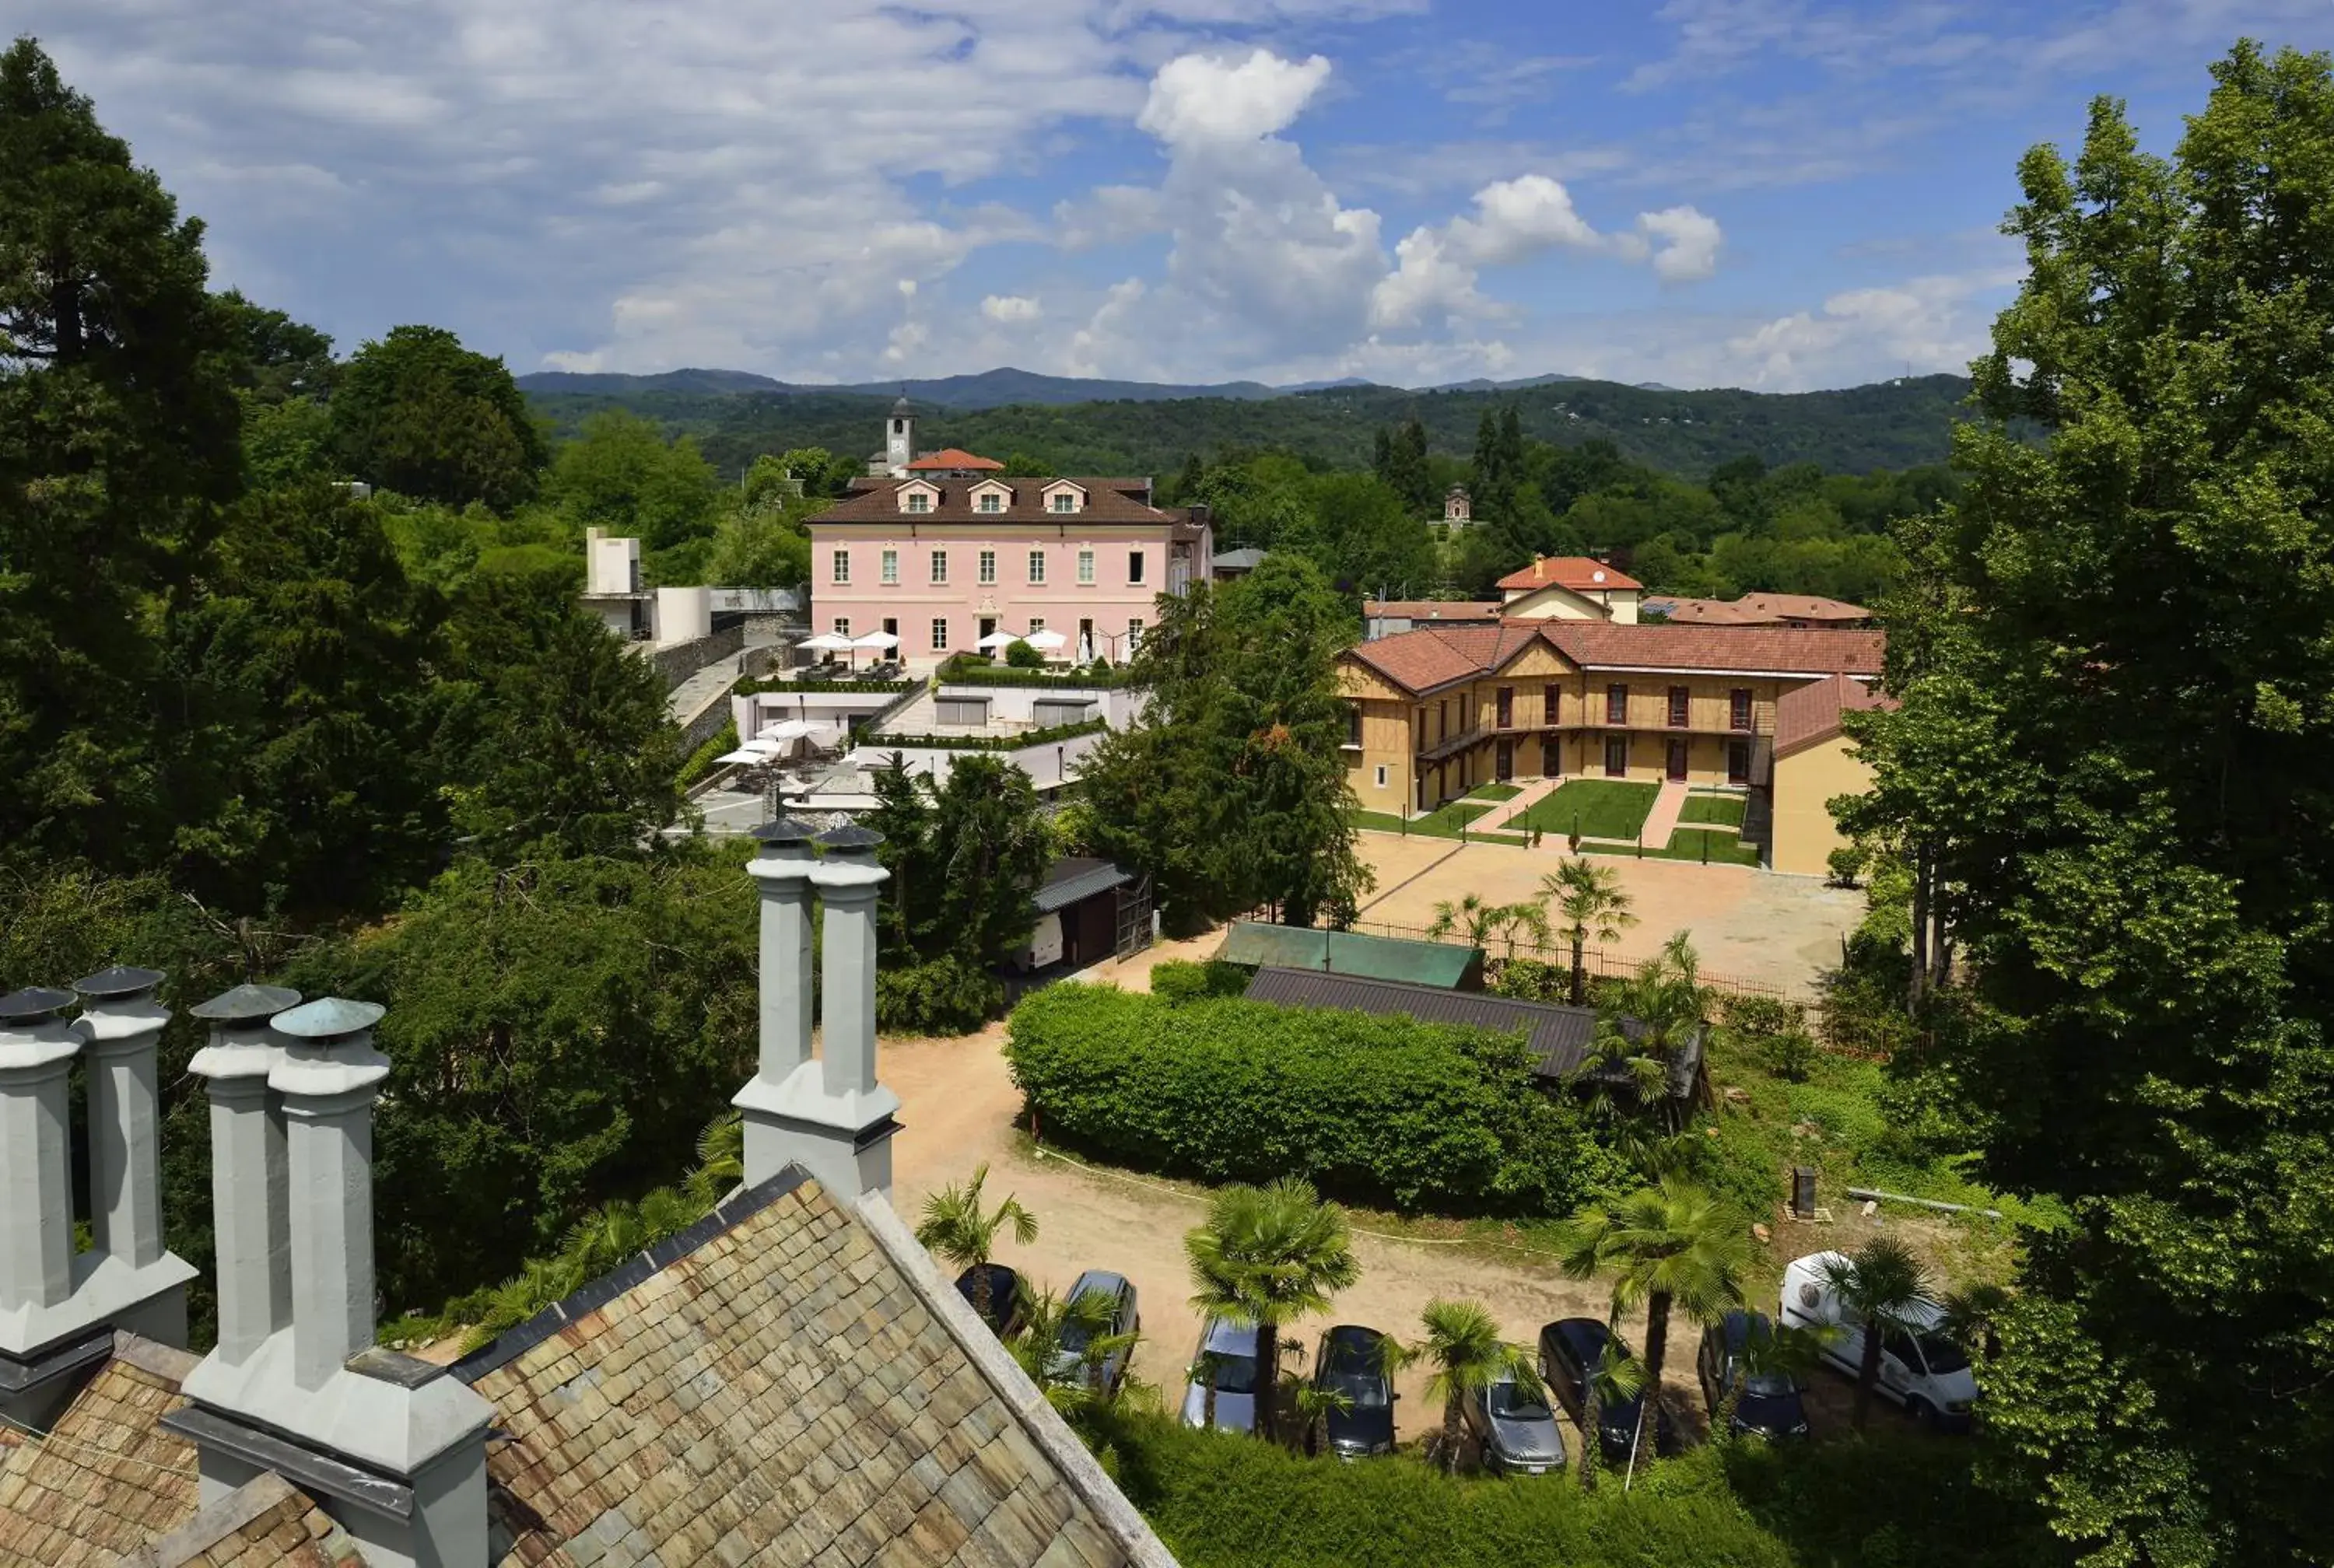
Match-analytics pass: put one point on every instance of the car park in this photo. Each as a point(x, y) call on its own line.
point(1351, 1361)
point(1923, 1372)
point(1570, 1351)
point(1517, 1429)
point(1769, 1405)
point(1226, 1358)
point(1124, 1322)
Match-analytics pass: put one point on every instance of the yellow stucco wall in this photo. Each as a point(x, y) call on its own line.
point(1805, 835)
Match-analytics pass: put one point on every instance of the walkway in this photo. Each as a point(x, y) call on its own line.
point(1661, 820)
point(1534, 792)
point(693, 695)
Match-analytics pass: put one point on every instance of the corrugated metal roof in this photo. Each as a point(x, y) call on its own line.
point(1558, 1035)
point(1260, 944)
point(1076, 880)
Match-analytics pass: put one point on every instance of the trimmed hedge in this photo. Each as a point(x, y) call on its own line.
point(962, 671)
point(1384, 1112)
point(1180, 980)
point(1220, 1500)
point(750, 686)
point(1049, 737)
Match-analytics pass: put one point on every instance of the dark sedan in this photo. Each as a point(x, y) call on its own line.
point(1351, 1362)
point(1770, 1406)
point(1570, 1353)
point(1004, 1313)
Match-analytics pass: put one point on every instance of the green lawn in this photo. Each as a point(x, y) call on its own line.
point(1443, 823)
point(1605, 808)
point(1685, 845)
point(1493, 792)
point(1722, 810)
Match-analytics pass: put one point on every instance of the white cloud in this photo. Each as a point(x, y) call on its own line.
point(1686, 242)
point(1520, 218)
point(1010, 309)
point(1923, 324)
point(1202, 98)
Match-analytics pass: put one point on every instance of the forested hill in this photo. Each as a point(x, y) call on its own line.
point(1896, 424)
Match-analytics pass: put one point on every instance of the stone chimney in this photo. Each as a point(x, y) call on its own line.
point(251, 1203)
point(59, 1309)
point(830, 1115)
point(392, 1447)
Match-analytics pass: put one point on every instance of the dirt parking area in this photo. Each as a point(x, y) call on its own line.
point(1748, 924)
point(959, 1105)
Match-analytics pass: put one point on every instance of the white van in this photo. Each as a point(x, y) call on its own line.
point(1923, 1371)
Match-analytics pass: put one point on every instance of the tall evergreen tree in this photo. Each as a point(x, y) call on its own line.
point(118, 426)
point(2111, 771)
point(420, 414)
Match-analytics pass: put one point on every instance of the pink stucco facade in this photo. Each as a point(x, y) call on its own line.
point(940, 586)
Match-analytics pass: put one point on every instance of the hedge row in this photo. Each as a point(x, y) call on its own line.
point(1050, 736)
point(1384, 1112)
point(1217, 1499)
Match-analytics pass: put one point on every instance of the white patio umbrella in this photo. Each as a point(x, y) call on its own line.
point(1048, 640)
point(788, 729)
point(876, 639)
point(826, 642)
point(997, 639)
point(762, 749)
point(740, 755)
point(1086, 648)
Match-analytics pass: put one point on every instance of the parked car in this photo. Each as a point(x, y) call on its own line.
point(1770, 1406)
point(1923, 1371)
point(1569, 1351)
point(1226, 1356)
point(1351, 1360)
point(1517, 1429)
point(1124, 1320)
point(1004, 1315)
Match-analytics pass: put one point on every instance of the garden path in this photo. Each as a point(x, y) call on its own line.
point(1661, 820)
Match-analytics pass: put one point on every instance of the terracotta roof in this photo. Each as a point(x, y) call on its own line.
point(1606, 645)
point(798, 1385)
point(1106, 501)
point(1702, 611)
point(1430, 610)
point(1808, 714)
point(956, 458)
point(107, 1479)
point(1577, 572)
point(1428, 657)
point(1802, 607)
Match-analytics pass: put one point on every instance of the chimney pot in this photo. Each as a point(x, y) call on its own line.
point(121, 983)
point(37, 1046)
point(251, 1186)
point(328, 1074)
point(34, 1005)
point(122, 1025)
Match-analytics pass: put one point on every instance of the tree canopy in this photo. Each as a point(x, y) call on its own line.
point(418, 413)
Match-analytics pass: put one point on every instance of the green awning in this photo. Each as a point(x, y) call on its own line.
point(1444, 964)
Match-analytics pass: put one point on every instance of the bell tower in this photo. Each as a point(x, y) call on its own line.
point(899, 439)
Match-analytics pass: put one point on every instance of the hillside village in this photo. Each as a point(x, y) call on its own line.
point(569, 1002)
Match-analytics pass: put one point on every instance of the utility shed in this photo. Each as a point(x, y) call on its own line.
point(1087, 911)
point(1558, 1036)
point(1443, 965)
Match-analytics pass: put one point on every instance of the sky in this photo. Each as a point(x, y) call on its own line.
point(1772, 194)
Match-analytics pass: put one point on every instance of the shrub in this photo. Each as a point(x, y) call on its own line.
point(1378, 1111)
point(1178, 981)
point(1528, 979)
point(1847, 864)
point(1021, 656)
point(1216, 1498)
point(1762, 1015)
point(700, 763)
point(945, 995)
point(1790, 1056)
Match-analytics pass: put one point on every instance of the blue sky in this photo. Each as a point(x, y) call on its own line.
point(1762, 193)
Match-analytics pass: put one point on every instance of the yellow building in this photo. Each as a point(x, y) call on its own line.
point(1814, 762)
point(1571, 588)
point(1439, 710)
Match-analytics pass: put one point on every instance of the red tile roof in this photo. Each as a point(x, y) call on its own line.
point(1453, 610)
point(956, 458)
point(1704, 612)
point(1808, 714)
point(1577, 572)
point(1429, 656)
point(1106, 501)
point(1761, 609)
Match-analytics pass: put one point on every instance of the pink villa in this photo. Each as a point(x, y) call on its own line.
point(941, 550)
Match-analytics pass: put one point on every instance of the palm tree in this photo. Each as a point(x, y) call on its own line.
point(1528, 915)
point(1670, 1009)
point(960, 1230)
point(1046, 1321)
point(1615, 1376)
point(1883, 1288)
point(1973, 1318)
point(1313, 1402)
point(1590, 906)
point(1268, 1256)
point(1471, 915)
point(1463, 1344)
point(1671, 1245)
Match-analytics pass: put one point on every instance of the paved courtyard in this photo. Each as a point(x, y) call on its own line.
point(1748, 924)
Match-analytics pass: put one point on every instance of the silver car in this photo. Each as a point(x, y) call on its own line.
point(1226, 1357)
point(1517, 1430)
point(1124, 1320)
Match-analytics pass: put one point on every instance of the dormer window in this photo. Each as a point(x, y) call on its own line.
point(990, 496)
point(992, 502)
point(919, 496)
point(1064, 500)
point(919, 501)
point(1062, 497)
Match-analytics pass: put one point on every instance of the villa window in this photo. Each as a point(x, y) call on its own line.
point(940, 634)
point(890, 570)
point(1037, 566)
point(1135, 566)
point(919, 501)
point(992, 502)
point(1085, 566)
point(1551, 703)
point(1133, 635)
point(1037, 624)
point(939, 567)
point(1617, 705)
point(1507, 707)
point(1680, 703)
point(1065, 501)
point(843, 566)
point(1738, 703)
point(1354, 725)
point(989, 566)
point(842, 626)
